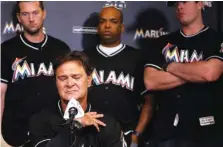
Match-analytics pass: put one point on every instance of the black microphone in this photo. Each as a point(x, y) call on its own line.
point(72, 113)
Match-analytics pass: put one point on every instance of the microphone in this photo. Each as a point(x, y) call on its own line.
point(73, 110)
point(72, 113)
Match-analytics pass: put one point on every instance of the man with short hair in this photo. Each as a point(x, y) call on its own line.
point(117, 76)
point(185, 69)
point(73, 74)
point(27, 72)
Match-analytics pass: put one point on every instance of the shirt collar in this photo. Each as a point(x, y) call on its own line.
point(110, 51)
point(32, 45)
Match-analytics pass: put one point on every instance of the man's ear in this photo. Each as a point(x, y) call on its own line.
point(200, 5)
point(122, 27)
point(89, 80)
point(44, 14)
point(97, 28)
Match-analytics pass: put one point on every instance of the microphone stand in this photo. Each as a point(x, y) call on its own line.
point(72, 113)
point(75, 127)
point(72, 136)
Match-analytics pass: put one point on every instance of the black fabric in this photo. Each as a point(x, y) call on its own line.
point(49, 124)
point(211, 142)
point(120, 95)
point(190, 101)
point(27, 69)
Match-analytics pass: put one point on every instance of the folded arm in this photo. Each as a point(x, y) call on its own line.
point(202, 71)
point(155, 79)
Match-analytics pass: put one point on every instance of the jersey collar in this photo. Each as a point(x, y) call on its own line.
point(188, 36)
point(33, 45)
point(115, 50)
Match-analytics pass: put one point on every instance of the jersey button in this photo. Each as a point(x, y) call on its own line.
point(178, 96)
point(106, 87)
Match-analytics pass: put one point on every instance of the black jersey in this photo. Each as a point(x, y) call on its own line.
point(27, 69)
point(192, 110)
point(48, 128)
point(117, 81)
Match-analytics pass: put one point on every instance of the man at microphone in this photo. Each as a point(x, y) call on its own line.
point(54, 127)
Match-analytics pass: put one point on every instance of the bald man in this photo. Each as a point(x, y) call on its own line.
point(117, 77)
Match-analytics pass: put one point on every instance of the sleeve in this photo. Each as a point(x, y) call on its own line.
point(111, 135)
point(217, 52)
point(139, 86)
point(153, 55)
point(6, 72)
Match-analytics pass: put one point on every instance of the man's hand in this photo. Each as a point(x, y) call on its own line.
point(91, 118)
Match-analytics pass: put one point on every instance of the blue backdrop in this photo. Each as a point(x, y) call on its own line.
point(75, 22)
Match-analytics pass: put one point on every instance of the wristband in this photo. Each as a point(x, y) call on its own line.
point(136, 133)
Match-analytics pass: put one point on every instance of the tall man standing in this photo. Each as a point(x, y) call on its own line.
point(117, 77)
point(186, 67)
point(27, 72)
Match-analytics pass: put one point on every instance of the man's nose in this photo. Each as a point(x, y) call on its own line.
point(107, 24)
point(70, 83)
point(31, 17)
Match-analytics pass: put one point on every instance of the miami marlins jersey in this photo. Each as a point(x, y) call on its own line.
point(27, 69)
point(193, 110)
point(117, 81)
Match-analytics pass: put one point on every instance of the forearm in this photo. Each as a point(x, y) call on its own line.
point(161, 80)
point(192, 72)
point(146, 114)
point(145, 117)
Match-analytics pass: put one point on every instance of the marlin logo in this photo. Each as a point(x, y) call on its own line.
point(17, 61)
point(171, 56)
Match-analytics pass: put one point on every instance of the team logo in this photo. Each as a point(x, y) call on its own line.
point(117, 4)
point(22, 69)
point(11, 28)
point(127, 81)
point(149, 33)
point(84, 30)
point(173, 54)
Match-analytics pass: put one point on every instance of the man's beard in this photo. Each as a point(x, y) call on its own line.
point(109, 40)
point(32, 32)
